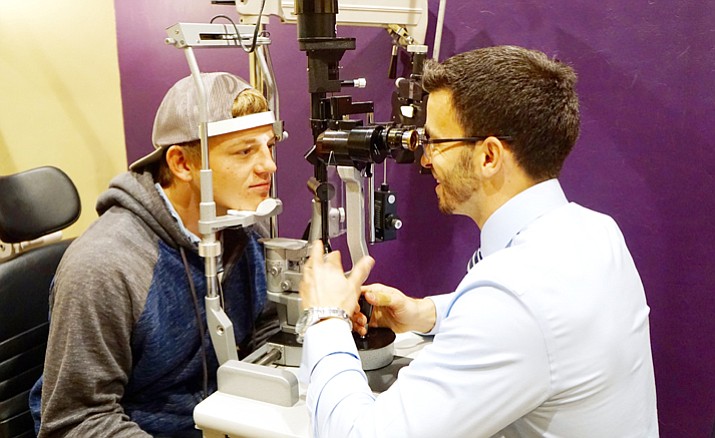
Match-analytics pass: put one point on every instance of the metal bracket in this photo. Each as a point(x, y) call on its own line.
point(183, 35)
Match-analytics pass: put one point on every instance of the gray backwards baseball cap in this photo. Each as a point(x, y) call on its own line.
point(177, 119)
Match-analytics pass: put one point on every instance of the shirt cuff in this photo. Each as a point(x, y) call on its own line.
point(441, 304)
point(323, 339)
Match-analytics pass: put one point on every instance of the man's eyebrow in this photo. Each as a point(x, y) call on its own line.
point(243, 142)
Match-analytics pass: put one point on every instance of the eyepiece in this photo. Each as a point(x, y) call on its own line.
point(365, 144)
point(402, 138)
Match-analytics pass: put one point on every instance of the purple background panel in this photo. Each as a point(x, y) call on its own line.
point(645, 155)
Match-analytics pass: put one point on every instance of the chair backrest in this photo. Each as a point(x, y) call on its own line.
point(32, 204)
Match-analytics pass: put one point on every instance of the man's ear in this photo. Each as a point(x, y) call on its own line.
point(179, 163)
point(491, 156)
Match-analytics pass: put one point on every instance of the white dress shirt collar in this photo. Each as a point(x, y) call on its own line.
point(518, 212)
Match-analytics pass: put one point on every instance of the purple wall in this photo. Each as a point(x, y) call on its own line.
point(645, 154)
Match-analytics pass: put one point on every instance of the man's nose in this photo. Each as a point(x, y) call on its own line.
point(266, 164)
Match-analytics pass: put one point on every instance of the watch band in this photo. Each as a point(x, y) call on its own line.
point(314, 315)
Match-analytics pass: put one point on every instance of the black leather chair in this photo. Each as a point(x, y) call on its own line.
point(33, 204)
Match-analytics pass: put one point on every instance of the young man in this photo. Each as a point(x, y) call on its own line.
point(547, 334)
point(129, 353)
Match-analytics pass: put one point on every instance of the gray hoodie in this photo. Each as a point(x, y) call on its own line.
point(128, 351)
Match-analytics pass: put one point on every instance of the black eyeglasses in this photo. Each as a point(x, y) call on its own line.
point(427, 142)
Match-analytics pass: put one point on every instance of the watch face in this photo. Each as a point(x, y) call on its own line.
point(306, 320)
point(301, 325)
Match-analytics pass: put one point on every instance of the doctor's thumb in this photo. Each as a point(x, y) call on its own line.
point(377, 298)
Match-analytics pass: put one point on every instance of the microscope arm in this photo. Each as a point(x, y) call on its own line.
point(355, 210)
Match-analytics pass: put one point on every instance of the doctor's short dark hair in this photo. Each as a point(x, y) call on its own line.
point(248, 101)
point(516, 92)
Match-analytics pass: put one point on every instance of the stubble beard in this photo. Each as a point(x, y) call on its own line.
point(457, 187)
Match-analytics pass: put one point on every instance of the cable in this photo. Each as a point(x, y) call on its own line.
point(199, 322)
point(238, 35)
point(438, 29)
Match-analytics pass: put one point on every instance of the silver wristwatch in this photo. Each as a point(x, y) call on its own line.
point(314, 315)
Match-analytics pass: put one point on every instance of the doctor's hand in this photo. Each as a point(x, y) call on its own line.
point(324, 283)
point(397, 311)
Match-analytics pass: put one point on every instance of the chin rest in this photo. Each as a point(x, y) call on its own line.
point(33, 204)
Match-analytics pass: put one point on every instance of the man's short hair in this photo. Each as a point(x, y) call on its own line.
point(516, 92)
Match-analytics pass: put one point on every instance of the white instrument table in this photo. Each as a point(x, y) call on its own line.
point(224, 414)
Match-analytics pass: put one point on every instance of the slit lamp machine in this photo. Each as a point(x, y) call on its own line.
point(260, 395)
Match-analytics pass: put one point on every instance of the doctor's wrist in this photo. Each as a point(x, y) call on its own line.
point(314, 315)
point(426, 315)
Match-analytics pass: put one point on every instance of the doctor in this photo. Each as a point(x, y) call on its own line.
point(547, 334)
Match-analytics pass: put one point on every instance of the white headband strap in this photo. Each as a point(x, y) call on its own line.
point(240, 123)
